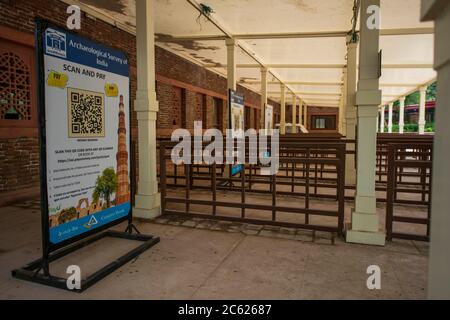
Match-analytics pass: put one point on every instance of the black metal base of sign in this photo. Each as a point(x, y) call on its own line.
point(32, 271)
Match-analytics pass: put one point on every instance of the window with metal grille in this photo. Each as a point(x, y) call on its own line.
point(322, 122)
point(15, 88)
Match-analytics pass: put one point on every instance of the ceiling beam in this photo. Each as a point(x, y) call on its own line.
point(281, 66)
point(319, 66)
point(310, 93)
point(398, 85)
point(416, 88)
point(293, 35)
point(305, 83)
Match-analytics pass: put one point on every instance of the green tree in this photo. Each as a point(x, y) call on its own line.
point(67, 215)
point(105, 186)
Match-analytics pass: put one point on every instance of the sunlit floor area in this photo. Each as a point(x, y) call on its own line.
point(194, 262)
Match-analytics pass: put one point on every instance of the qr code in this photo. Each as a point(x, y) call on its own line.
point(86, 110)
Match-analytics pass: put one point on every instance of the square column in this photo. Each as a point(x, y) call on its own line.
point(147, 200)
point(294, 113)
point(350, 109)
point(378, 121)
point(344, 102)
point(264, 72)
point(351, 87)
point(283, 109)
point(391, 110)
point(300, 112)
point(305, 117)
point(364, 227)
point(423, 99)
point(401, 122)
point(439, 259)
point(341, 116)
point(382, 121)
point(231, 63)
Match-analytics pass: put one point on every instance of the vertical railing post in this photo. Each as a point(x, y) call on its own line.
point(214, 187)
point(162, 175)
point(392, 167)
point(341, 189)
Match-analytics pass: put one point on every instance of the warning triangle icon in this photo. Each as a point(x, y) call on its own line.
point(92, 221)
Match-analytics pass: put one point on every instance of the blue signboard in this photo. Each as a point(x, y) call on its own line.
point(237, 122)
point(87, 132)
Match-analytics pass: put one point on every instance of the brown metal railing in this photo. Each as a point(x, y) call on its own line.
point(312, 166)
point(299, 178)
point(409, 173)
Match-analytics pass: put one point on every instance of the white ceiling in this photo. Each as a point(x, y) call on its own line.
point(179, 18)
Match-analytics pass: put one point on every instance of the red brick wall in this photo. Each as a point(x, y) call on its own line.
point(19, 163)
point(185, 90)
point(173, 101)
point(194, 79)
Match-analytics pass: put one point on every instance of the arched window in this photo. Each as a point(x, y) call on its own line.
point(17, 79)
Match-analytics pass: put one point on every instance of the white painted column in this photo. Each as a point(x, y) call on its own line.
point(423, 99)
point(401, 122)
point(382, 120)
point(305, 120)
point(148, 200)
point(294, 113)
point(378, 120)
point(439, 259)
point(340, 126)
point(350, 111)
point(364, 227)
point(231, 63)
point(283, 109)
point(351, 87)
point(300, 113)
point(391, 110)
point(344, 102)
point(264, 73)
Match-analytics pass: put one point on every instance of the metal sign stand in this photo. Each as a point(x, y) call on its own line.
point(39, 271)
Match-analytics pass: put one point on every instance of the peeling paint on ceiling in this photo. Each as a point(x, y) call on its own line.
point(122, 10)
point(188, 44)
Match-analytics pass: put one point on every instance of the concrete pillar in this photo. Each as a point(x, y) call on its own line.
point(423, 99)
point(382, 121)
point(231, 63)
point(439, 258)
point(351, 87)
point(378, 121)
point(344, 102)
point(148, 200)
point(283, 109)
point(364, 227)
point(350, 110)
point(401, 122)
point(294, 113)
point(340, 126)
point(391, 110)
point(264, 73)
point(305, 116)
point(300, 112)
